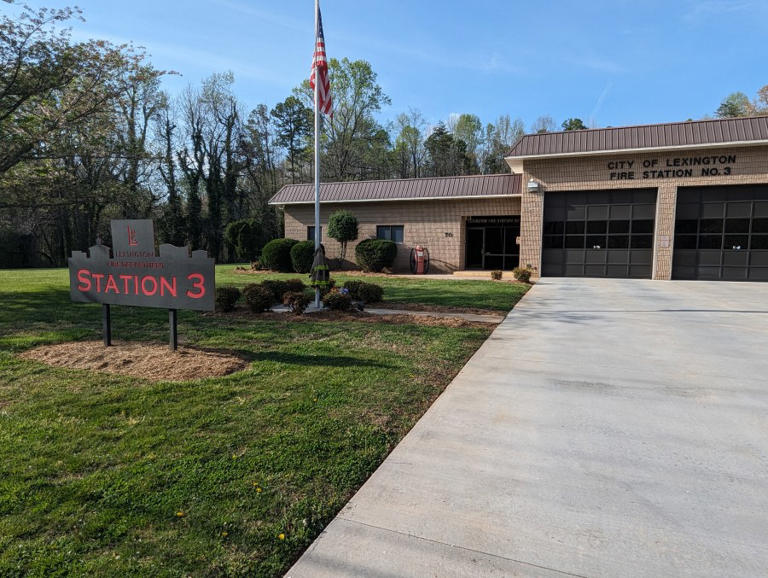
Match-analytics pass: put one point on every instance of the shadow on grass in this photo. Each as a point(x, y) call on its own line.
point(317, 360)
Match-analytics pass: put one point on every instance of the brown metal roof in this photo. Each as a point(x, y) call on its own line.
point(651, 136)
point(402, 189)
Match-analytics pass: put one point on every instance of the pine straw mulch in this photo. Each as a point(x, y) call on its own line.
point(150, 361)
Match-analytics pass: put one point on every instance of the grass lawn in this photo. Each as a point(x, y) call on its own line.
point(455, 293)
point(118, 476)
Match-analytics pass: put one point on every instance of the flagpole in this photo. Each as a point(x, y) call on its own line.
point(317, 156)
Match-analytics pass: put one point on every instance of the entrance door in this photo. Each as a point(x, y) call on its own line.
point(475, 242)
point(492, 243)
point(721, 233)
point(599, 233)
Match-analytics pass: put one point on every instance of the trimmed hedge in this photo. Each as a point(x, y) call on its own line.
point(257, 297)
point(366, 292)
point(522, 274)
point(276, 255)
point(295, 285)
point(302, 255)
point(226, 298)
point(276, 288)
point(338, 301)
point(375, 254)
point(297, 301)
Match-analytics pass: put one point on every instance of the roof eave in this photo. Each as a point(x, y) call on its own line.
point(512, 158)
point(343, 201)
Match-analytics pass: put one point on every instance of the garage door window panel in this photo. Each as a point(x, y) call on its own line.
point(574, 241)
point(641, 242)
point(759, 242)
point(618, 241)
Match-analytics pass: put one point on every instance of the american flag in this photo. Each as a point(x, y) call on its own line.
point(320, 67)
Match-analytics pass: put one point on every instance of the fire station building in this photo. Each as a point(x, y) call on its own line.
point(682, 200)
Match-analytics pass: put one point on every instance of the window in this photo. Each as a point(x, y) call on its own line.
point(390, 232)
point(311, 233)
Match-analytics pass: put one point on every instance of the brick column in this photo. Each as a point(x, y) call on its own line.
point(664, 239)
point(531, 222)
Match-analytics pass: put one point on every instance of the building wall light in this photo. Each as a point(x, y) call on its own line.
point(534, 186)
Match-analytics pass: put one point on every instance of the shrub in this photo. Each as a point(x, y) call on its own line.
point(226, 297)
point(353, 287)
point(342, 226)
point(496, 275)
point(276, 288)
point(302, 255)
point(362, 291)
point(257, 297)
point(370, 293)
point(244, 238)
point(276, 255)
point(375, 254)
point(522, 274)
point(327, 289)
point(297, 301)
point(338, 301)
point(295, 285)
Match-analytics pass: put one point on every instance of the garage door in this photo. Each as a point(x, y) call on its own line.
point(599, 233)
point(721, 233)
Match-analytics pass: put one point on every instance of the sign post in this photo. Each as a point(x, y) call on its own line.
point(135, 275)
point(174, 341)
point(106, 324)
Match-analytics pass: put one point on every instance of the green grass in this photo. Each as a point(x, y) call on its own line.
point(94, 468)
point(455, 293)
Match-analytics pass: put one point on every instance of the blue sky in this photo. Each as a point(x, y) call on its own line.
point(609, 63)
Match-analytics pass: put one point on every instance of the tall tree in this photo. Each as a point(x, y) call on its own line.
point(49, 84)
point(573, 124)
point(469, 128)
point(409, 144)
point(356, 98)
point(500, 137)
point(448, 155)
point(734, 105)
point(293, 124)
point(544, 123)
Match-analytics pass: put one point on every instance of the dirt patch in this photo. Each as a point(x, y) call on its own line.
point(149, 361)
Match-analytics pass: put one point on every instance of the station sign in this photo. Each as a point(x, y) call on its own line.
point(133, 274)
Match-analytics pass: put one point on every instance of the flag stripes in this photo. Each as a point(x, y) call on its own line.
point(320, 70)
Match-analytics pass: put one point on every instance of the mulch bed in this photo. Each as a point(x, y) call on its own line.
point(150, 361)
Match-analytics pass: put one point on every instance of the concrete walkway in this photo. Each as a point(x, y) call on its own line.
point(606, 428)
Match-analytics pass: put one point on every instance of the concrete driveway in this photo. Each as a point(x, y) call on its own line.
point(607, 428)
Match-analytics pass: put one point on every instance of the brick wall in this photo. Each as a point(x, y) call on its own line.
point(437, 225)
point(587, 173)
